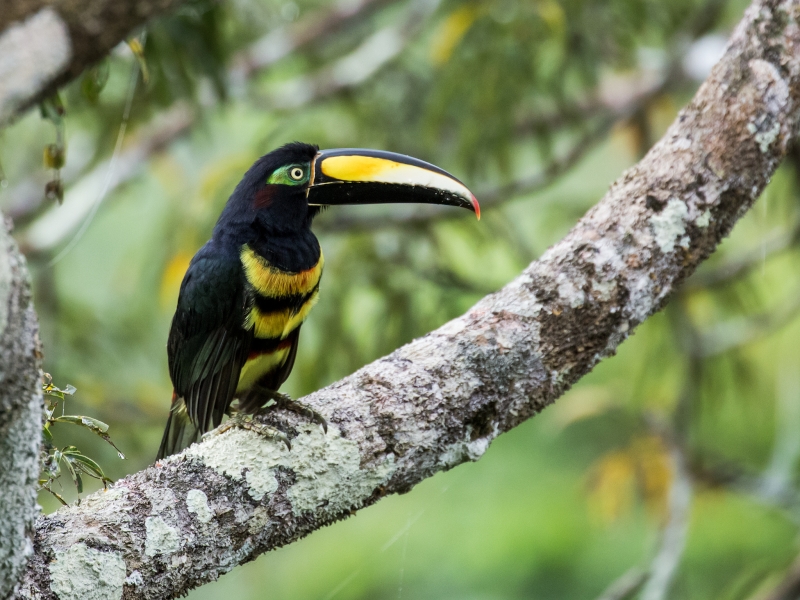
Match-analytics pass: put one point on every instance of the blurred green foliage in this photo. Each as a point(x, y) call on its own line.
point(495, 92)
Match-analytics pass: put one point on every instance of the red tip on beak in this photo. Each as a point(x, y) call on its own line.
point(476, 207)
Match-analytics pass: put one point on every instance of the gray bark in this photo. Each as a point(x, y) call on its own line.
point(20, 414)
point(46, 43)
point(442, 399)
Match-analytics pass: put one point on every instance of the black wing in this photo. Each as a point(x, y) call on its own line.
point(208, 344)
point(254, 399)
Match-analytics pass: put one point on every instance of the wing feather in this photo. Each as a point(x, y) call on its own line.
point(208, 344)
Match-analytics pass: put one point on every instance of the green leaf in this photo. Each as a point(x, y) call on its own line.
point(48, 435)
point(94, 80)
point(57, 496)
point(90, 423)
point(76, 478)
point(52, 109)
point(94, 425)
point(87, 465)
point(50, 389)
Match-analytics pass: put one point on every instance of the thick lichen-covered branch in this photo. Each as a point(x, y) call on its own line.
point(20, 414)
point(442, 399)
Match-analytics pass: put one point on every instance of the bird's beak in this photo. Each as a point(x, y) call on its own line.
point(357, 176)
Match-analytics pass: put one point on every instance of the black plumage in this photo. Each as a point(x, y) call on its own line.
point(209, 343)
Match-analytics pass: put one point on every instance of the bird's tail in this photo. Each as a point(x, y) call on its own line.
point(179, 433)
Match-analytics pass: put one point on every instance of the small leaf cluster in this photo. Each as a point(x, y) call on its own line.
point(55, 155)
point(54, 459)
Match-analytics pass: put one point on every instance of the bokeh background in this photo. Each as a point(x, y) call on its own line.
point(679, 454)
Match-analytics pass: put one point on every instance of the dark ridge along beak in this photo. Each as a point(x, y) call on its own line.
point(359, 176)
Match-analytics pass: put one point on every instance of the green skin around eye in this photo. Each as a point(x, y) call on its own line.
point(281, 176)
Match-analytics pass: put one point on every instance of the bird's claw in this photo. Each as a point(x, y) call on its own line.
point(303, 410)
point(243, 421)
point(286, 401)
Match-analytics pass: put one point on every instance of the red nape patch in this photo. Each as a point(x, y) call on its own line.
point(263, 197)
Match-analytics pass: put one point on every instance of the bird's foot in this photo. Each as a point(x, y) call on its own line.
point(286, 401)
point(303, 410)
point(244, 421)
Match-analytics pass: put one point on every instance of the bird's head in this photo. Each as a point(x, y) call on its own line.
point(286, 188)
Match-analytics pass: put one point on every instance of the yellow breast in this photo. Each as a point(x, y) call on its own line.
point(291, 296)
point(279, 324)
point(258, 366)
point(275, 283)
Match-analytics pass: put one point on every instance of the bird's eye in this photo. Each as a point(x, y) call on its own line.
point(296, 173)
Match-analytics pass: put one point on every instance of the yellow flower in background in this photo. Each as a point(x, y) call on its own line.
point(616, 480)
point(612, 487)
point(172, 277)
point(552, 14)
point(451, 32)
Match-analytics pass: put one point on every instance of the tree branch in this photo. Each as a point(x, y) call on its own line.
point(625, 586)
point(673, 538)
point(20, 414)
point(789, 587)
point(46, 43)
point(442, 399)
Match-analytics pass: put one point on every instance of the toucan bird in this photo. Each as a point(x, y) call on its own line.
point(248, 290)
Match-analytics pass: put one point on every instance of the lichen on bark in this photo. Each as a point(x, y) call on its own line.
point(20, 414)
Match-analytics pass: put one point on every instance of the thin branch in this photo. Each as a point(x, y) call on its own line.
point(53, 227)
point(27, 202)
point(740, 331)
point(773, 487)
point(773, 244)
point(673, 538)
point(442, 399)
point(655, 582)
point(789, 587)
point(625, 586)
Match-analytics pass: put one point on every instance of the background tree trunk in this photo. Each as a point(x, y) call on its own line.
point(20, 414)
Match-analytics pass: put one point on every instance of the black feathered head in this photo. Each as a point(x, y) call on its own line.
point(284, 190)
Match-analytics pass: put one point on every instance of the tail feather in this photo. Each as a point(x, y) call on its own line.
point(179, 433)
